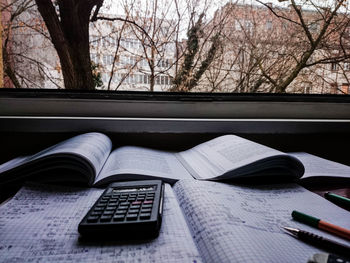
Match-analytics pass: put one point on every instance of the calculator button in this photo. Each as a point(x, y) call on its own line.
point(120, 212)
point(112, 204)
point(133, 211)
point(118, 218)
point(98, 208)
point(145, 215)
point(135, 206)
point(136, 203)
point(125, 203)
point(148, 202)
point(123, 207)
point(106, 218)
point(147, 206)
point(96, 213)
point(146, 210)
point(131, 217)
point(92, 219)
point(108, 212)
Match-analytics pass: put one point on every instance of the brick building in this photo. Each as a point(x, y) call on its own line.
point(261, 50)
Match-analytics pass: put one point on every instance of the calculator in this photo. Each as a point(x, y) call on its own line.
point(126, 210)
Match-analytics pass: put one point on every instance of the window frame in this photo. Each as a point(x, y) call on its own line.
point(164, 112)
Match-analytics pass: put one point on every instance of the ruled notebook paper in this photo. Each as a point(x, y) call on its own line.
point(243, 224)
point(40, 225)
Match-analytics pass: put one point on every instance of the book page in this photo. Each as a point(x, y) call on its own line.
point(243, 224)
point(220, 155)
point(320, 167)
point(93, 147)
point(129, 161)
point(40, 225)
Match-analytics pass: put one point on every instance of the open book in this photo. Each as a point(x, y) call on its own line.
point(202, 222)
point(88, 159)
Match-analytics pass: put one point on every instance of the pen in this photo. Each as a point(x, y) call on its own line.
point(321, 224)
point(338, 200)
point(319, 241)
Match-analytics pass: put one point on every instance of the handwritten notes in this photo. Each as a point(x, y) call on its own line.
point(202, 221)
point(243, 224)
point(40, 225)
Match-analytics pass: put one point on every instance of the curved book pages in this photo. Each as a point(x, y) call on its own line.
point(231, 157)
point(91, 159)
point(77, 159)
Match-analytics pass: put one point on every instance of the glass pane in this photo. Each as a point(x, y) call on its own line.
point(184, 45)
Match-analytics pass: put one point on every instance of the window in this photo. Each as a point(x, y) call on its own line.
point(108, 60)
point(314, 27)
point(345, 88)
point(221, 100)
point(95, 58)
point(346, 66)
point(269, 25)
point(334, 88)
point(95, 41)
point(227, 50)
point(334, 66)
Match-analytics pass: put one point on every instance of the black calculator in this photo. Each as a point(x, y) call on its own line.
point(126, 210)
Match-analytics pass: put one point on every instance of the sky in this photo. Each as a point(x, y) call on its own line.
point(113, 6)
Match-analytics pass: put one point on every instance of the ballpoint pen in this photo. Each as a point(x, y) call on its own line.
point(338, 200)
point(321, 224)
point(327, 258)
point(319, 241)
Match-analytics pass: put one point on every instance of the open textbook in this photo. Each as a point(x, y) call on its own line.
point(203, 221)
point(89, 159)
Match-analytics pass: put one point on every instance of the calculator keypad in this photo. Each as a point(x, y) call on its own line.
point(122, 207)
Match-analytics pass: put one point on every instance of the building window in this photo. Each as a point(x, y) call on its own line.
point(345, 88)
point(346, 66)
point(314, 27)
point(269, 25)
point(108, 59)
point(95, 58)
point(95, 41)
point(334, 88)
point(334, 66)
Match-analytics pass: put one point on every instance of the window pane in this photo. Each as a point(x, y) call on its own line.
point(208, 46)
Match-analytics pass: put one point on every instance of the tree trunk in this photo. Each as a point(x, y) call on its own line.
point(70, 37)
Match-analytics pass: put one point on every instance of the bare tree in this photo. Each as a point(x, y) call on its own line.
point(68, 24)
point(317, 36)
point(22, 29)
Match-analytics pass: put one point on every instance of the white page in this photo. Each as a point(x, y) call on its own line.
point(222, 154)
point(243, 224)
point(13, 163)
point(95, 147)
point(317, 166)
point(40, 225)
point(137, 160)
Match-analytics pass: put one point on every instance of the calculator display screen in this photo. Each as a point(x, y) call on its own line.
point(134, 189)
